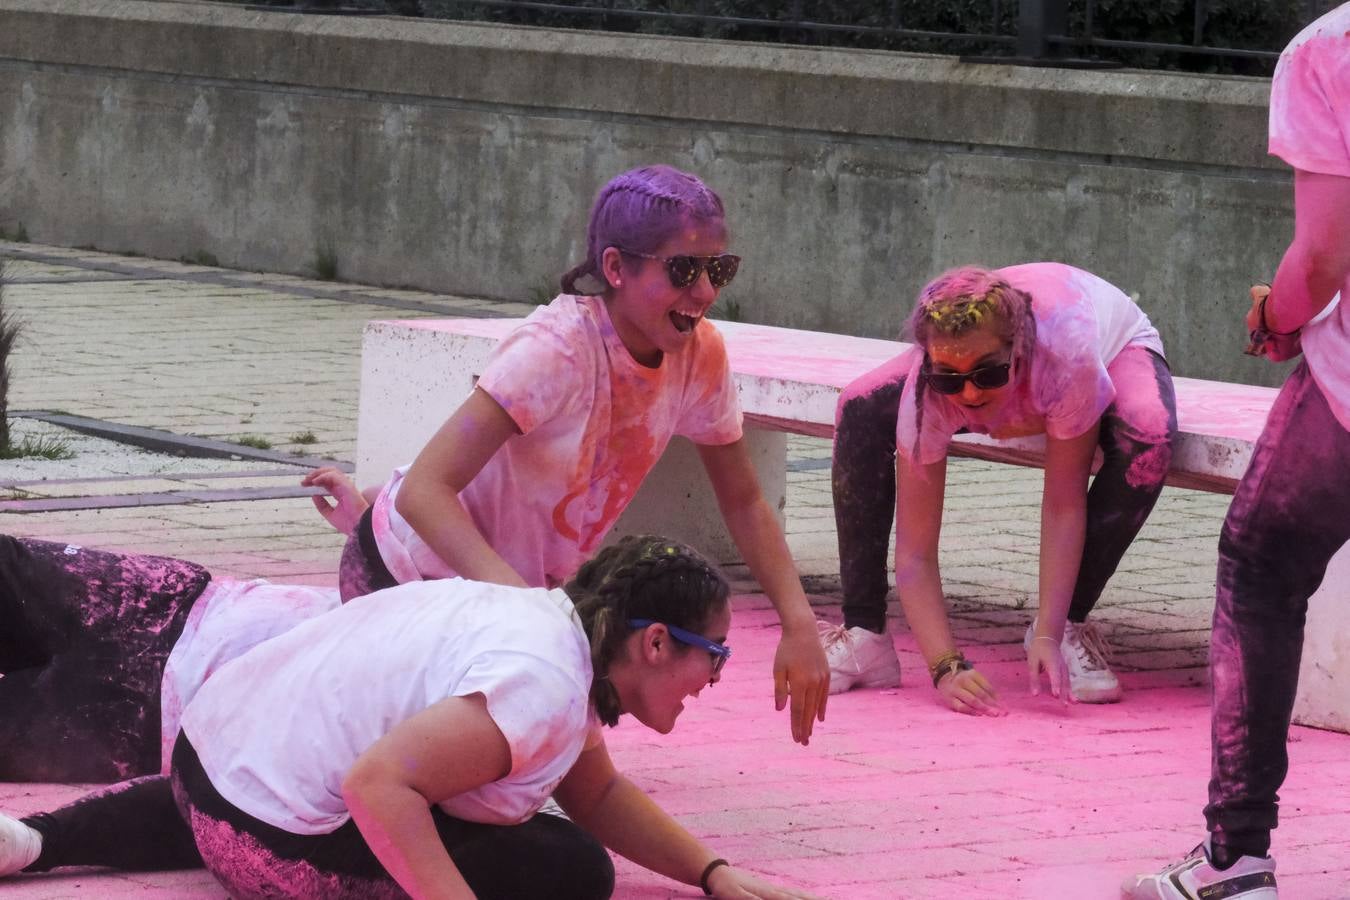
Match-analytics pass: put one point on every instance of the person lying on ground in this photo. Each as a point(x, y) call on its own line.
point(405, 741)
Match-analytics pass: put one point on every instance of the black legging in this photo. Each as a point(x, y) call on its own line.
point(133, 826)
point(546, 856)
point(84, 635)
point(361, 570)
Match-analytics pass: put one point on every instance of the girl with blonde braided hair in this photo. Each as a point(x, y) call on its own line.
point(403, 744)
point(523, 482)
point(1041, 348)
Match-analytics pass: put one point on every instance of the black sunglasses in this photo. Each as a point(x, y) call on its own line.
point(684, 270)
point(986, 378)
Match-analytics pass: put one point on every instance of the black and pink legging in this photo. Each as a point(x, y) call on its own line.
point(1287, 520)
point(545, 855)
point(181, 821)
point(84, 635)
point(1136, 437)
point(361, 570)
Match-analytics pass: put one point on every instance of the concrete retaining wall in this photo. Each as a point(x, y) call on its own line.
point(464, 158)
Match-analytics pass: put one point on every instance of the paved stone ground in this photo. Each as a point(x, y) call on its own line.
point(895, 797)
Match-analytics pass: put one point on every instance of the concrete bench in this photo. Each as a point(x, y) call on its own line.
point(415, 373)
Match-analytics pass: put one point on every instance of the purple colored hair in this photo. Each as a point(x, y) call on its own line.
point(959, 301)
point(639, 211)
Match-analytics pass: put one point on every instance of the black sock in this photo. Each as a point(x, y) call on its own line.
point(1223, 856)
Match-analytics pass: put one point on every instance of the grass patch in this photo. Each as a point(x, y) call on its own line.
point(201, 258)
point(19, 235)
point(542, 294)
point(30, 447)
point(257, 442)
point(326, 263)
point(305, 437)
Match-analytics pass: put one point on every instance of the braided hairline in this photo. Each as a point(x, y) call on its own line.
point(605, 607)
point(695, 201)
point(960, 300)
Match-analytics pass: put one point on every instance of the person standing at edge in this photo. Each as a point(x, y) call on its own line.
point(1288, 517)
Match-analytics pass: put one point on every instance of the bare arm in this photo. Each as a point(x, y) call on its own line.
point(445, 750)
point(799, 668)
point(429, 495)
point(623, 818)
point(1317, 261)
point(1063, 526)
point(919, 493)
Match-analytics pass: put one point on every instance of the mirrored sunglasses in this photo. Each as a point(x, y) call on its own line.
point(684, 270)
point(985, 378)
point(718, 652)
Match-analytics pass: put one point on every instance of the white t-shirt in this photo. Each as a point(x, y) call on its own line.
point(1310, 130)
point(278, 729)
point(1082, 323)
point(593, 422)
point(229, 619)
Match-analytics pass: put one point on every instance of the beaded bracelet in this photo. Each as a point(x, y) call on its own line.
point(947, 664)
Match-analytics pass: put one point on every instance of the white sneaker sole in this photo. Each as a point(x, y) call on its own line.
point(1099, 695)
point(840, 684)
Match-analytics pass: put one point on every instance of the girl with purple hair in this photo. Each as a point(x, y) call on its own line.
point(1041, 348)
point(525, 479)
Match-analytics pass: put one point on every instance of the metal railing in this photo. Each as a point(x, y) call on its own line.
point(1044, 33)
point(1036, 32)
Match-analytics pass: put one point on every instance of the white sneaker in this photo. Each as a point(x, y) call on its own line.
point(859, 658)
point(19, 845)
point(1194, 878)
point(1086, 654)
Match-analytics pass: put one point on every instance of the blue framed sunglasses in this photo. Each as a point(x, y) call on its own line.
point(718, 652)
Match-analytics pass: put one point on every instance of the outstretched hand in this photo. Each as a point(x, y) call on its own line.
point(732, 883)
point(347, 506)
point(801, 673)
point(971, 693)
point(1044, 656)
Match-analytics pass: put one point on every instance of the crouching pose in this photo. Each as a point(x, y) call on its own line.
point(1033, 349)
point(404, 742)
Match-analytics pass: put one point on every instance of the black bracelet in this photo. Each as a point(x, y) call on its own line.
point(950, 667)
point(708, 870)
point(1265, 324)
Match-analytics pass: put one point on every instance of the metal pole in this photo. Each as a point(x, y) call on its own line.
point(1038, 20)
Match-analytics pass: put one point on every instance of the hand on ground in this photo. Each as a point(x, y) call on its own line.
point(1043, 656)
point(347, 506)
point(732, 883)
point(801, 672)
point(971, 693)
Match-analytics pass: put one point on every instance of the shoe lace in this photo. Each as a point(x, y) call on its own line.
point(831, 634)
point(1090, 647)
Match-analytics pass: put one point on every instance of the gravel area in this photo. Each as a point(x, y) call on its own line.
point(99, 458)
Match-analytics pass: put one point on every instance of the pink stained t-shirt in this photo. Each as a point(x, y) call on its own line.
point(1310, 130)
point(592, 424)
point(1082, 323)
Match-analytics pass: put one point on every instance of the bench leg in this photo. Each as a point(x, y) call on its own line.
point(1323, 699)
point(677, 501)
